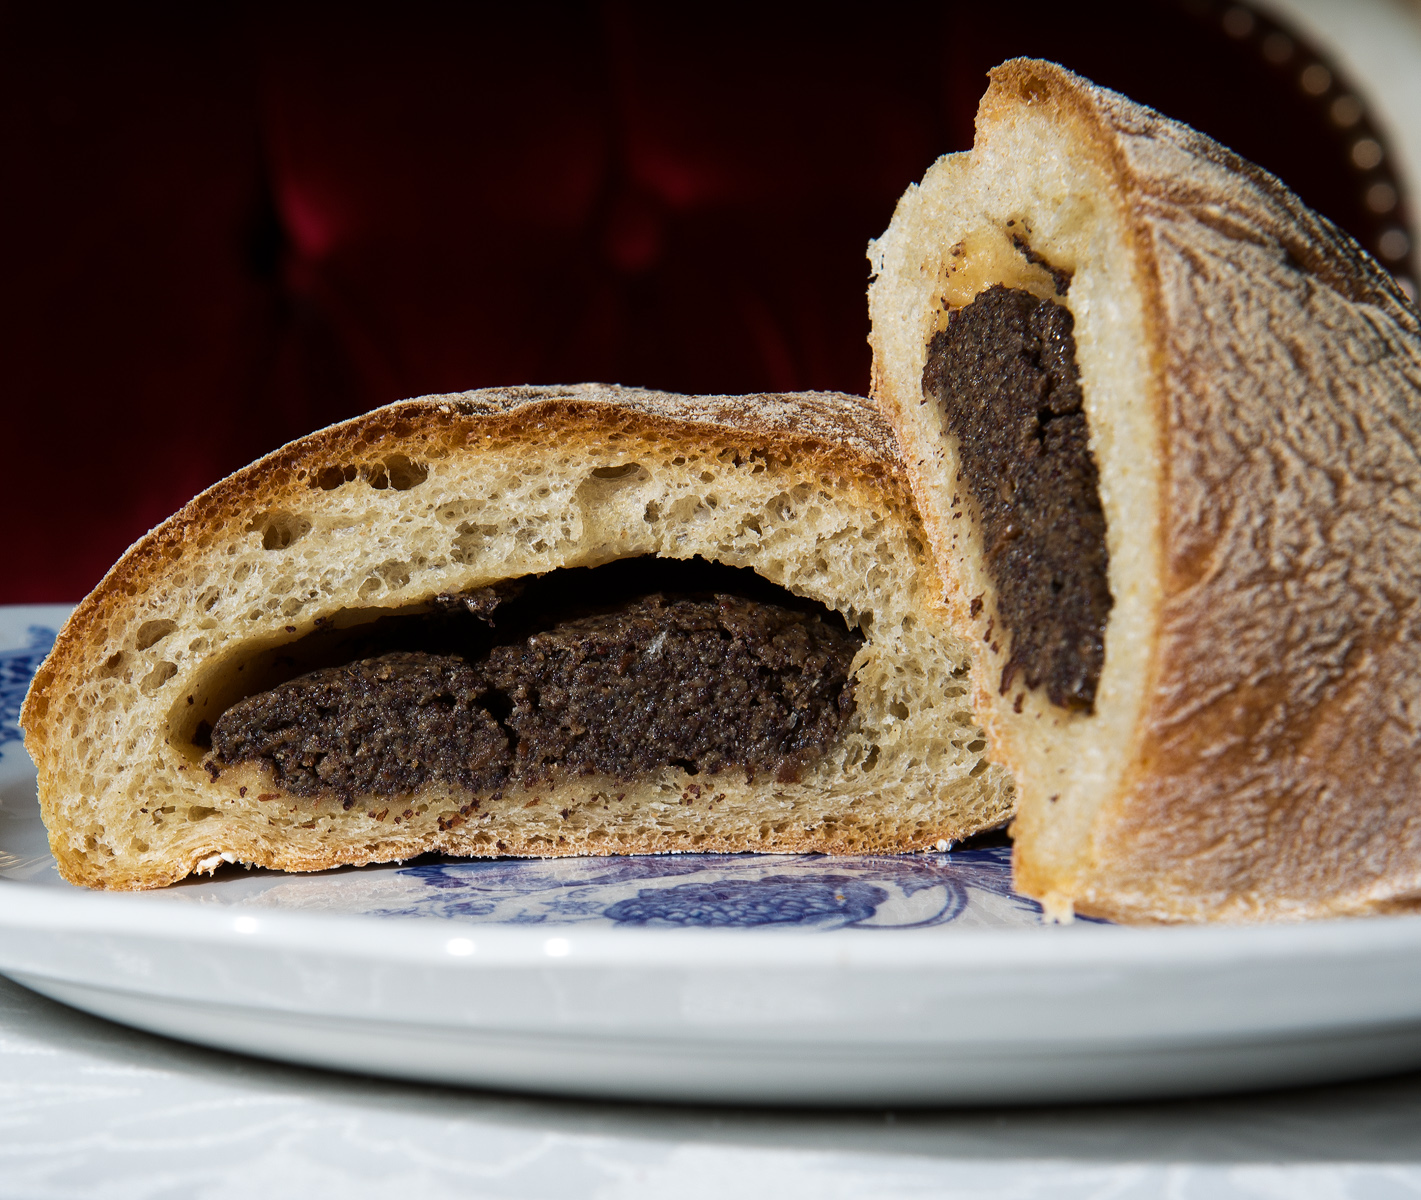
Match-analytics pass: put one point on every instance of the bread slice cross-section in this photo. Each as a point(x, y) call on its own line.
point(1164, 426)
point(582, 620)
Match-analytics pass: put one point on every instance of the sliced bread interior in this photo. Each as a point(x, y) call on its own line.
point(583, 620)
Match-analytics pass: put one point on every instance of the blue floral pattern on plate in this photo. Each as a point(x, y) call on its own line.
point(724, 891)
point(17, 668)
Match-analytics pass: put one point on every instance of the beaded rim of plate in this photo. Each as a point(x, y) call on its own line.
point(1340, 106)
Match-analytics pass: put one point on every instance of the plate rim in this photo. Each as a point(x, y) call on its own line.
point(426, 939)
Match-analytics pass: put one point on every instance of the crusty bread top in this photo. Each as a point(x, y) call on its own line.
point(1158, 160)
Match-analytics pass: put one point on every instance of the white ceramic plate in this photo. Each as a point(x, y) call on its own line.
point(781, 979)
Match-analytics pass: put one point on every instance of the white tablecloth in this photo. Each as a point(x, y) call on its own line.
point(93, 1110)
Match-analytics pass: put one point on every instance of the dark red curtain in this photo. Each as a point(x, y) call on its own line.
point(224, 227)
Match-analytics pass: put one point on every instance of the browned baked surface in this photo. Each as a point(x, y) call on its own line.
point(1253, 382)
point(450, 493)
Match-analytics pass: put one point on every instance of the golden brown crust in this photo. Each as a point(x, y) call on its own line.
point(1273, 769)
point(469, 844)
point(1279, 773)
point(821, 451)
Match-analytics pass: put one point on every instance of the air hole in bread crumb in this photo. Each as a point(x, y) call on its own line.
point(392, 573)
point(152, 632)
point(330, 478)
point(404, 473)
point(279, 529)
point(158, 676)
point(470, 537)
point(621, 472)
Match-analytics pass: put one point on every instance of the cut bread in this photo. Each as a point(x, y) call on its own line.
point(342, 551)
point(1243, 743)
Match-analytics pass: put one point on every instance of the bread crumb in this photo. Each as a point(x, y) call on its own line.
point(1057, 909)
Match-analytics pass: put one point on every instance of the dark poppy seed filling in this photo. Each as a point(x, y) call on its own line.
point(707, 684)
point(380, 726)
point(1003, 374)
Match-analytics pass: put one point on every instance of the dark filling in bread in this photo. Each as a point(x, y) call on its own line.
point(1004, 375)
point(703, 682)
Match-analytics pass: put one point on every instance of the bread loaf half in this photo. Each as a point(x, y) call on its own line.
point(581, 620)
point(1164, 426)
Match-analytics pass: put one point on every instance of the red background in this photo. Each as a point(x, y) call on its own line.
point(225, 227)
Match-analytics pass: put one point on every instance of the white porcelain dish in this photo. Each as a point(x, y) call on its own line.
point(721, 978)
